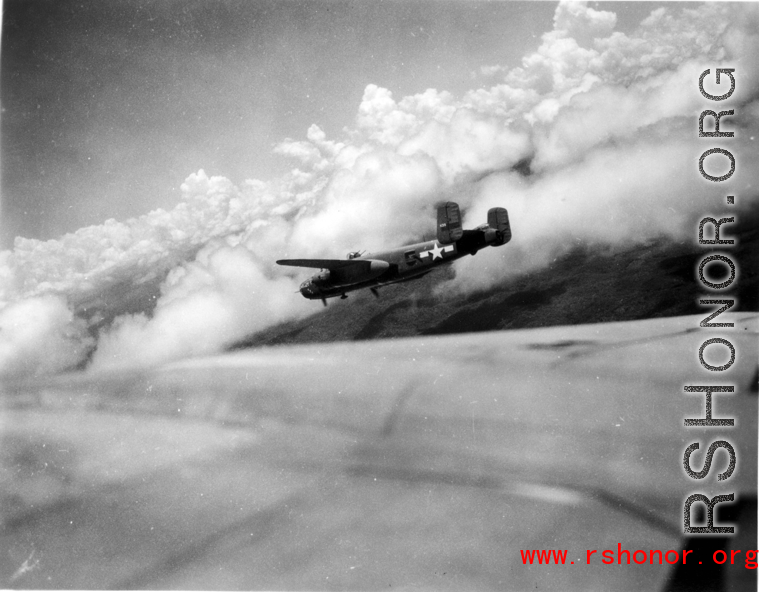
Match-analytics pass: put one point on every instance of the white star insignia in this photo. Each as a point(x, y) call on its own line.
point(437, 251)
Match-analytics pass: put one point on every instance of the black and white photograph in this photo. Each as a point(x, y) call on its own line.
point(379, 294)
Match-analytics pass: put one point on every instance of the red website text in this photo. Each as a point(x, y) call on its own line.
point(620, 556)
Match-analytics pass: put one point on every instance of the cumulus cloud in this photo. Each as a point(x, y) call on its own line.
point(583, 24)
point(222, 296)
point(40, 335)
point(605, 122)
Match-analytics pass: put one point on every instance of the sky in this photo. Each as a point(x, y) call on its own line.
point(108, 106)
point(158, 157)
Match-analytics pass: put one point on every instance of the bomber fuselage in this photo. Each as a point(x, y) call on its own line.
point(338, 276)
point(395, 265)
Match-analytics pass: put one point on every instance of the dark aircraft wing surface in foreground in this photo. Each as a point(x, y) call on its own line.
point(423, 463)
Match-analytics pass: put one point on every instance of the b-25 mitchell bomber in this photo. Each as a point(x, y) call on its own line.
point(339, 276)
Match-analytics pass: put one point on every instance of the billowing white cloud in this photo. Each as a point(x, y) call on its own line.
point(605, 120)
point(575, 20)
point(209, 303)
point(40, 335)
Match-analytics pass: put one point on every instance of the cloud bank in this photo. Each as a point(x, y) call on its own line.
point(592, 140)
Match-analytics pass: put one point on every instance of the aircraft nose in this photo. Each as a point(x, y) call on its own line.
point(307, 289)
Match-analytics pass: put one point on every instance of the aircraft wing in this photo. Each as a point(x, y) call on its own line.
point(323, 263)
point(427, 462)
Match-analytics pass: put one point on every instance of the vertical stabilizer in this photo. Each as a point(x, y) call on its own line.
point(498, 219)
point(449, 223)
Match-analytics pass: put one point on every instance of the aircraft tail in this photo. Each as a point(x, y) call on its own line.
point(449, 228)
point(498, 220)
point(449, 223)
